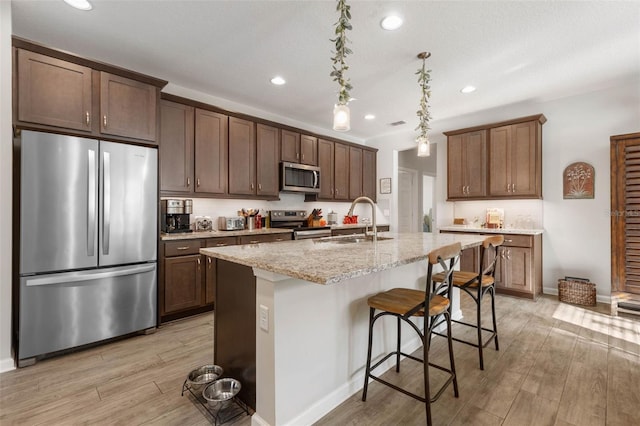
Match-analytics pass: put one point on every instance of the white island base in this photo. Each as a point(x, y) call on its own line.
point(312, 355)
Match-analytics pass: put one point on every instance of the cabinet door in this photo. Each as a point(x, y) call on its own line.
point(53, 92)
point(183, 283)
point(309, 150)
point(341, 172)
point(267, 154)
point(127, 107)
point(475, 159)
point(355, 172)
point(524, 159)
point(176, 147)
point(499, 161)
point(456, 186)
point(242, 156)
point(210, 280)
point(290, 146)
point(369, 174)
point(325, 161)
point(211, 144)
point(518, 269)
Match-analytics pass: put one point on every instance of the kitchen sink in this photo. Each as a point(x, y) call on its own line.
point(351, 239)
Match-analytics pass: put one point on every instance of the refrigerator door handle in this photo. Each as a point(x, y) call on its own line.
point(69, 278)
point(106, 205)
point(91, 203)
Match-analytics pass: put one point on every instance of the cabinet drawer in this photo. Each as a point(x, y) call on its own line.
point(348, 231)
point(220, 242)
point(268, 238)
point(181, 248)
point(518, 240)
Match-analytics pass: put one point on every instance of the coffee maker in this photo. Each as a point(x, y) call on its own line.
point(174, 215)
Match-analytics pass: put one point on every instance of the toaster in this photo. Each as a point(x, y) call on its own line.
point(230, 223)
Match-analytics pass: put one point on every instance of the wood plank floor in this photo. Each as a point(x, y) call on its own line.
point(558, 364)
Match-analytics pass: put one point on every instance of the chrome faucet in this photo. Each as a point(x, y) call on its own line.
point(373, 213)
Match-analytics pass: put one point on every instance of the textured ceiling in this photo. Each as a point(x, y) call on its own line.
point(511, 51)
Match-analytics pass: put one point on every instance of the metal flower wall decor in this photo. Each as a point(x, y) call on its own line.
point(578, 181)
point(341, 113)
point(424, 115)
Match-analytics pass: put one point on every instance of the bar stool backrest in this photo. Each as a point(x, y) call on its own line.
point(446, 257)
point(489, 255)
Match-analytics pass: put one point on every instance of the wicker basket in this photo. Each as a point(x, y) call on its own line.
point(577, 290)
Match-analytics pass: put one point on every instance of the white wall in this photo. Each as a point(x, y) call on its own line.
point(6, 135)
point(577, 234)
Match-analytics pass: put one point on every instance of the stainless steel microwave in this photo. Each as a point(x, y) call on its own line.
point(299, 178)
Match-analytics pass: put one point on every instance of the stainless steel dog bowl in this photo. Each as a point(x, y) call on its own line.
point(220, 393)
point(204, 375)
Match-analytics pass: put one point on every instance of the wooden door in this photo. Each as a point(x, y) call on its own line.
point(242, 156)
point(500, 161)
point(369, 174)
point(289, 146)
point(183, 283)
point(53, 92)
point(325, 161)
point(309, 150)
point(176, 147)
point(475, 163)
point(127, 107)
point(355, 172)
point(267, 154)
point(341, 172)
point(517, 269)
point(625, 213)
point(456, 186)
point(210, 280)
point(523, 159)
point(211, 146)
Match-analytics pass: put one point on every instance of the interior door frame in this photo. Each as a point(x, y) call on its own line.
point(618, 144)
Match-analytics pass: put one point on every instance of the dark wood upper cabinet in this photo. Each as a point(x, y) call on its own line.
point(309, 150)
point(267, 154)
point(355, 172)
point(53, 92)
point(467, 165)
point(369, 174)
point(127, 107)
point(326, 163)
point(341, 172)
point(176, 147)
point(242, 156)
point(289, 146)
point(211, 147)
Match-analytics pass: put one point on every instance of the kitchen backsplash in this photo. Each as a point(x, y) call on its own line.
point(517, 213)
point(215, 207)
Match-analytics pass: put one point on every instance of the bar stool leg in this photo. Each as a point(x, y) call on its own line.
point(453, 365)
point(493, 314)
point(368, 367)
point(398, 347)
point(426, 343)
point(479, 325)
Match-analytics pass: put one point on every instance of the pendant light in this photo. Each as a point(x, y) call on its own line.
point(341, 113)
point(424, 77)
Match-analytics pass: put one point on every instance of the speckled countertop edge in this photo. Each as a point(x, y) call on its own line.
point(463, 228)
point(331, 262)
point(222, 234)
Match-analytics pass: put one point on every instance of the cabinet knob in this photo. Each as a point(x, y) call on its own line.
point(182, 248)
point(199, 262)
point(220, 244)
point(297, 155)
point(303, 156)
point(252, 186)
point(198, 182)
point(104, 121)
point(87, 118)
point(188, 181)
point(513, 187)
point(260, 186)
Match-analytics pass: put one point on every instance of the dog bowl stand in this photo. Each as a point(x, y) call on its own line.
point(220, 415)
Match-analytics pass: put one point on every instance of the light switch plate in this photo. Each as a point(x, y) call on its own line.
point(264, 318)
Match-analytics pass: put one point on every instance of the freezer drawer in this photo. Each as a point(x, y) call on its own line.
point(65, 310)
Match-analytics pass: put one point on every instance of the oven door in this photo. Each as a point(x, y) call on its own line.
point(311, 233)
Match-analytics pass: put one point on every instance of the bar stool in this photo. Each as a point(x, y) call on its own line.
point(468, 282)
point(433, 305)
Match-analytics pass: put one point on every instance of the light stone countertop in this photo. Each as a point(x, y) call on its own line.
point(465, 228)
point(354, 226)
point(219, 234)
point(327, 261)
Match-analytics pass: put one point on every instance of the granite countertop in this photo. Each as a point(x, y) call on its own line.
point(219, 234)
point(328, 261)
point(466, 228)
point(355, 225)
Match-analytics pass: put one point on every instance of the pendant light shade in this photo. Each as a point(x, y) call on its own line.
point(424, 149)
point(341, 118)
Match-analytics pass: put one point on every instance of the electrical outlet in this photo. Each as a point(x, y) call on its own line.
point(264, 318)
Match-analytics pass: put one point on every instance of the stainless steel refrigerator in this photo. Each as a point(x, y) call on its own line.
point(88, 242)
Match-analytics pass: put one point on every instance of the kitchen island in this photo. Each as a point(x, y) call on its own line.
point(311, 314)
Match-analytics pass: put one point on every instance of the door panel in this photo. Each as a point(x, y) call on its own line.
point(211, 144)
point(325, 161)
point(129, 203)
point(176, 147)
point(59, 202)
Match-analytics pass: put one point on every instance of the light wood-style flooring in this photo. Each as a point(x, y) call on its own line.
point(558, 364)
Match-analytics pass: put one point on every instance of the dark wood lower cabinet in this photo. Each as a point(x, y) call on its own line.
point(234, 346)
point(185, 275)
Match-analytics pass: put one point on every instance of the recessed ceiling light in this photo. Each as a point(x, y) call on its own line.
point(79, 4)
point(468, 89)
point(278, 81)
point(391, 23)
point(369, 117)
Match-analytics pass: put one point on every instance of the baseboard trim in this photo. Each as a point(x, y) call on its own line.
point(256, 420)
point(7, 364)
point(602, 298)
